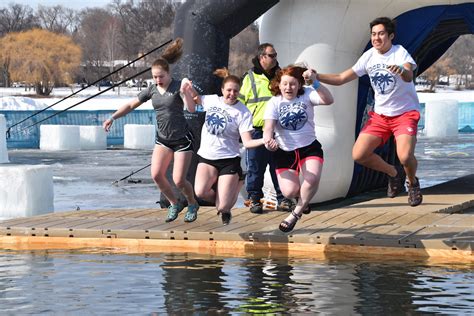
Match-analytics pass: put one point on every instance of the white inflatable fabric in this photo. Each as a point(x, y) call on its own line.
point(330, 36)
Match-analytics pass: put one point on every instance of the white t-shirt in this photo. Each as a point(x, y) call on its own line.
point(295, 119)
point(222, 127)
point(393, 96)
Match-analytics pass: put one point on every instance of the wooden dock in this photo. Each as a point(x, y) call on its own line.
point(442, 228)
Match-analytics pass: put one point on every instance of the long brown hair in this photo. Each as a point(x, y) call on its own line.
point(225, 74)
point(293, 71)
point(171, 55)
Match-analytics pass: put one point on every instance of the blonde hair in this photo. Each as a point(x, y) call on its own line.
point(171, 55)
point(225, 74)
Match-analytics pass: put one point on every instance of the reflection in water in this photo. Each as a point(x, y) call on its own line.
point(101, 283)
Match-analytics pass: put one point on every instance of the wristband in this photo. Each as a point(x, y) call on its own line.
point(316, 84)
point(402, 69)
point(111, 118)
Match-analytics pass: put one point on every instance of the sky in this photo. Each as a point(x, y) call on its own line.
point(74, 4)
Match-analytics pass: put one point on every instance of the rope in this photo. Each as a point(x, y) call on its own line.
point(98, 80)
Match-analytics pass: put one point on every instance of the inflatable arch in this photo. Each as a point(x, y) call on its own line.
point(329, 36)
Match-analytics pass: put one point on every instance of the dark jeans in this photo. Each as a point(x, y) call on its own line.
point(257, 161)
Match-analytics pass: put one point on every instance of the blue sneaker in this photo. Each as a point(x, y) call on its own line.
point(191, 214)
point(173, 211)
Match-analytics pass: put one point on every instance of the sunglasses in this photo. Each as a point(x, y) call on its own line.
point(271, 55)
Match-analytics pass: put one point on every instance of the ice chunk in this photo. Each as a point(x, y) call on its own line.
point(3, 140)
point(60, 137)
point(139, 136)
point(25, 190)
point(93, 138)
point(441, 118)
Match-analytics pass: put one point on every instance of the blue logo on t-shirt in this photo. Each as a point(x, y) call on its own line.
point(383, 81)
point(293, 116)
point(215, 123)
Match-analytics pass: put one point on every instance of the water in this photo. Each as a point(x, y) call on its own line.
point(61, 282)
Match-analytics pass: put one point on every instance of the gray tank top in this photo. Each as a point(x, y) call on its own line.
point(170, 122)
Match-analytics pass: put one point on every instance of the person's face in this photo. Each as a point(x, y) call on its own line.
point(380, 39)
point(230, 92)
point(289, 87)
point(161, 77)
point(269, 59)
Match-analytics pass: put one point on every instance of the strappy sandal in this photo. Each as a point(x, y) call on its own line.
point(396, 184)
point(414, 193)
point(307, 210)
point(191, 214)
point(286, 226)
point(225, 216)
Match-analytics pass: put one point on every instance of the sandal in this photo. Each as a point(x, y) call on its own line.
point(173, 211)
point(396, 184)
point(289, 225)
point(307, 210)
point(226, 217)
point(414, 193)
point(191, 214)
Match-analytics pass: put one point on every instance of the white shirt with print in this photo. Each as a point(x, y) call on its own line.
point(222, 127)
point(393, 95)
point(295, 119)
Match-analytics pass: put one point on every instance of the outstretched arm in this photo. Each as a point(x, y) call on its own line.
point(337, 79)
point(122, 111)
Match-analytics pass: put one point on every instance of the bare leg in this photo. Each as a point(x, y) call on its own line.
point(311, 172)
point(206, 177)
point(227, 192)
point(363, 153)
point(160, 161)
point(180, 170)
point(406, 155)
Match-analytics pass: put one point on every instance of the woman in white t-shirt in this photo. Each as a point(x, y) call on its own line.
point(227, 121)
point(289, 119)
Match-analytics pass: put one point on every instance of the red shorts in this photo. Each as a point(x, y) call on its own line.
point(384, 126)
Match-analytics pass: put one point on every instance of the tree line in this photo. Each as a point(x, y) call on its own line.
point(98, 37)
point(84, 45)
point(457, 62)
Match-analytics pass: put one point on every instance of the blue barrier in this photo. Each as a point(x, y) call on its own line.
point(29, 138)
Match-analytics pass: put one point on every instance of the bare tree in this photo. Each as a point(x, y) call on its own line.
point(243, 47)
point(139, 19)
point(14, 18)
point(58, 19)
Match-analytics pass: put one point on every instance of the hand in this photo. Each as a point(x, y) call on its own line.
point(395, 69)
point(186, 85)
point(309, 75)
point(271, 144)
point(107, 124)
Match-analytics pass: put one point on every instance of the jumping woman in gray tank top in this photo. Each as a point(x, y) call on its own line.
point(173, 138)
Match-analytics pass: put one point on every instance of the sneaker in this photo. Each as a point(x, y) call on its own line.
point(396, 184)
point(286, 205)
point(173, 211)
point(191, 214)
point(225, 217)
point(414, 193)
point(256, 207)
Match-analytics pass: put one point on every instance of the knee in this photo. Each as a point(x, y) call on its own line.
point(200, 192)
point(405, 159)
point(291, 193)
point(158, 177)
point(180, 183)
point(359, 156)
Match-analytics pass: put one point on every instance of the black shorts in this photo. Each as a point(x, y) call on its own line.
point(180, 145)
point(285, 160)
point(225, 166)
